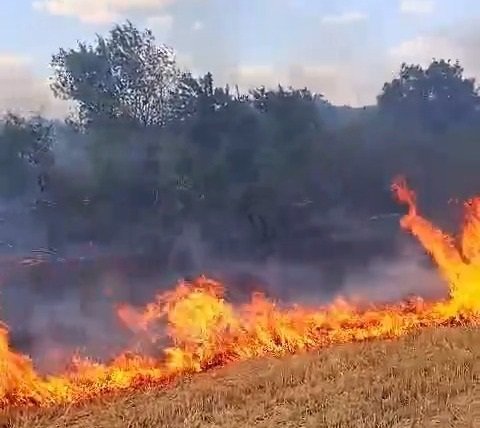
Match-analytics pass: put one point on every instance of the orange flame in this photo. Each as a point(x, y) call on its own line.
point(193, 328)
point(457, 259)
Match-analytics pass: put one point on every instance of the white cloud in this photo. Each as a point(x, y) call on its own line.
point(461, 45)
point(344, 18)
point(23, 92)
point(13, 61)
point(250, 76)
point(161, 25)
point(339, 83)
point(97, 11)
point(423, 49)
point(417, 7)
point(198, 25)
point(185, 60)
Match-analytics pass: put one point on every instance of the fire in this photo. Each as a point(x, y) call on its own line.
point(458, 259)
point(193, 327)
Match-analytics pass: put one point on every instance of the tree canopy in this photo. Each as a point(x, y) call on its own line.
point(273, 172)
point(437, 96)
point(125, 75)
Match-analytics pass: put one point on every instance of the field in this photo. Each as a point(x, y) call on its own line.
point(426, 379)
point(427, 376)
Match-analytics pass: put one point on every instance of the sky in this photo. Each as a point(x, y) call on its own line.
point(343, 49)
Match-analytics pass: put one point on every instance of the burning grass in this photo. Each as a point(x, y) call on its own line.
point(193, 328)
point(424, 379)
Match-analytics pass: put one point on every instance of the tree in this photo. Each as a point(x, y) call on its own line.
point(25, 154)
point(437, 96)
point(294, 126)
point(124, 75)
point(27, 163)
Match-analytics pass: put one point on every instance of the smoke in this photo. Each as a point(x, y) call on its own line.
point(410, 273)
point(22, 91)
point(52, 326)
point(62, 308)
point(56, 312)
point(63, 311)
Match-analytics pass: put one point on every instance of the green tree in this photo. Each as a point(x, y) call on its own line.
point(26, 156)
point(437, 96)
point(124, 75)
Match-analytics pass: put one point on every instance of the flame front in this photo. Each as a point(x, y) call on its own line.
point(193, 327)
point(457, 259)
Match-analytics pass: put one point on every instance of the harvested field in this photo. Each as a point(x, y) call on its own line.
point(426, 379)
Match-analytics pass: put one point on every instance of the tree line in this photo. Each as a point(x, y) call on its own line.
point(275, 172)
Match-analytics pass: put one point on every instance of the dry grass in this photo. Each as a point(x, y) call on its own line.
point(427, 379)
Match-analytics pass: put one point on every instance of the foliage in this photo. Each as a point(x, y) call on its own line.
point(125, 75)
point(25, 152)
point(437, 96)
point(272, 172)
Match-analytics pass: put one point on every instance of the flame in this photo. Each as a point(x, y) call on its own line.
point(193, 327)
point(458, 259)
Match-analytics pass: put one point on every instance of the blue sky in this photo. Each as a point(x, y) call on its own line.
point(344, 49)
